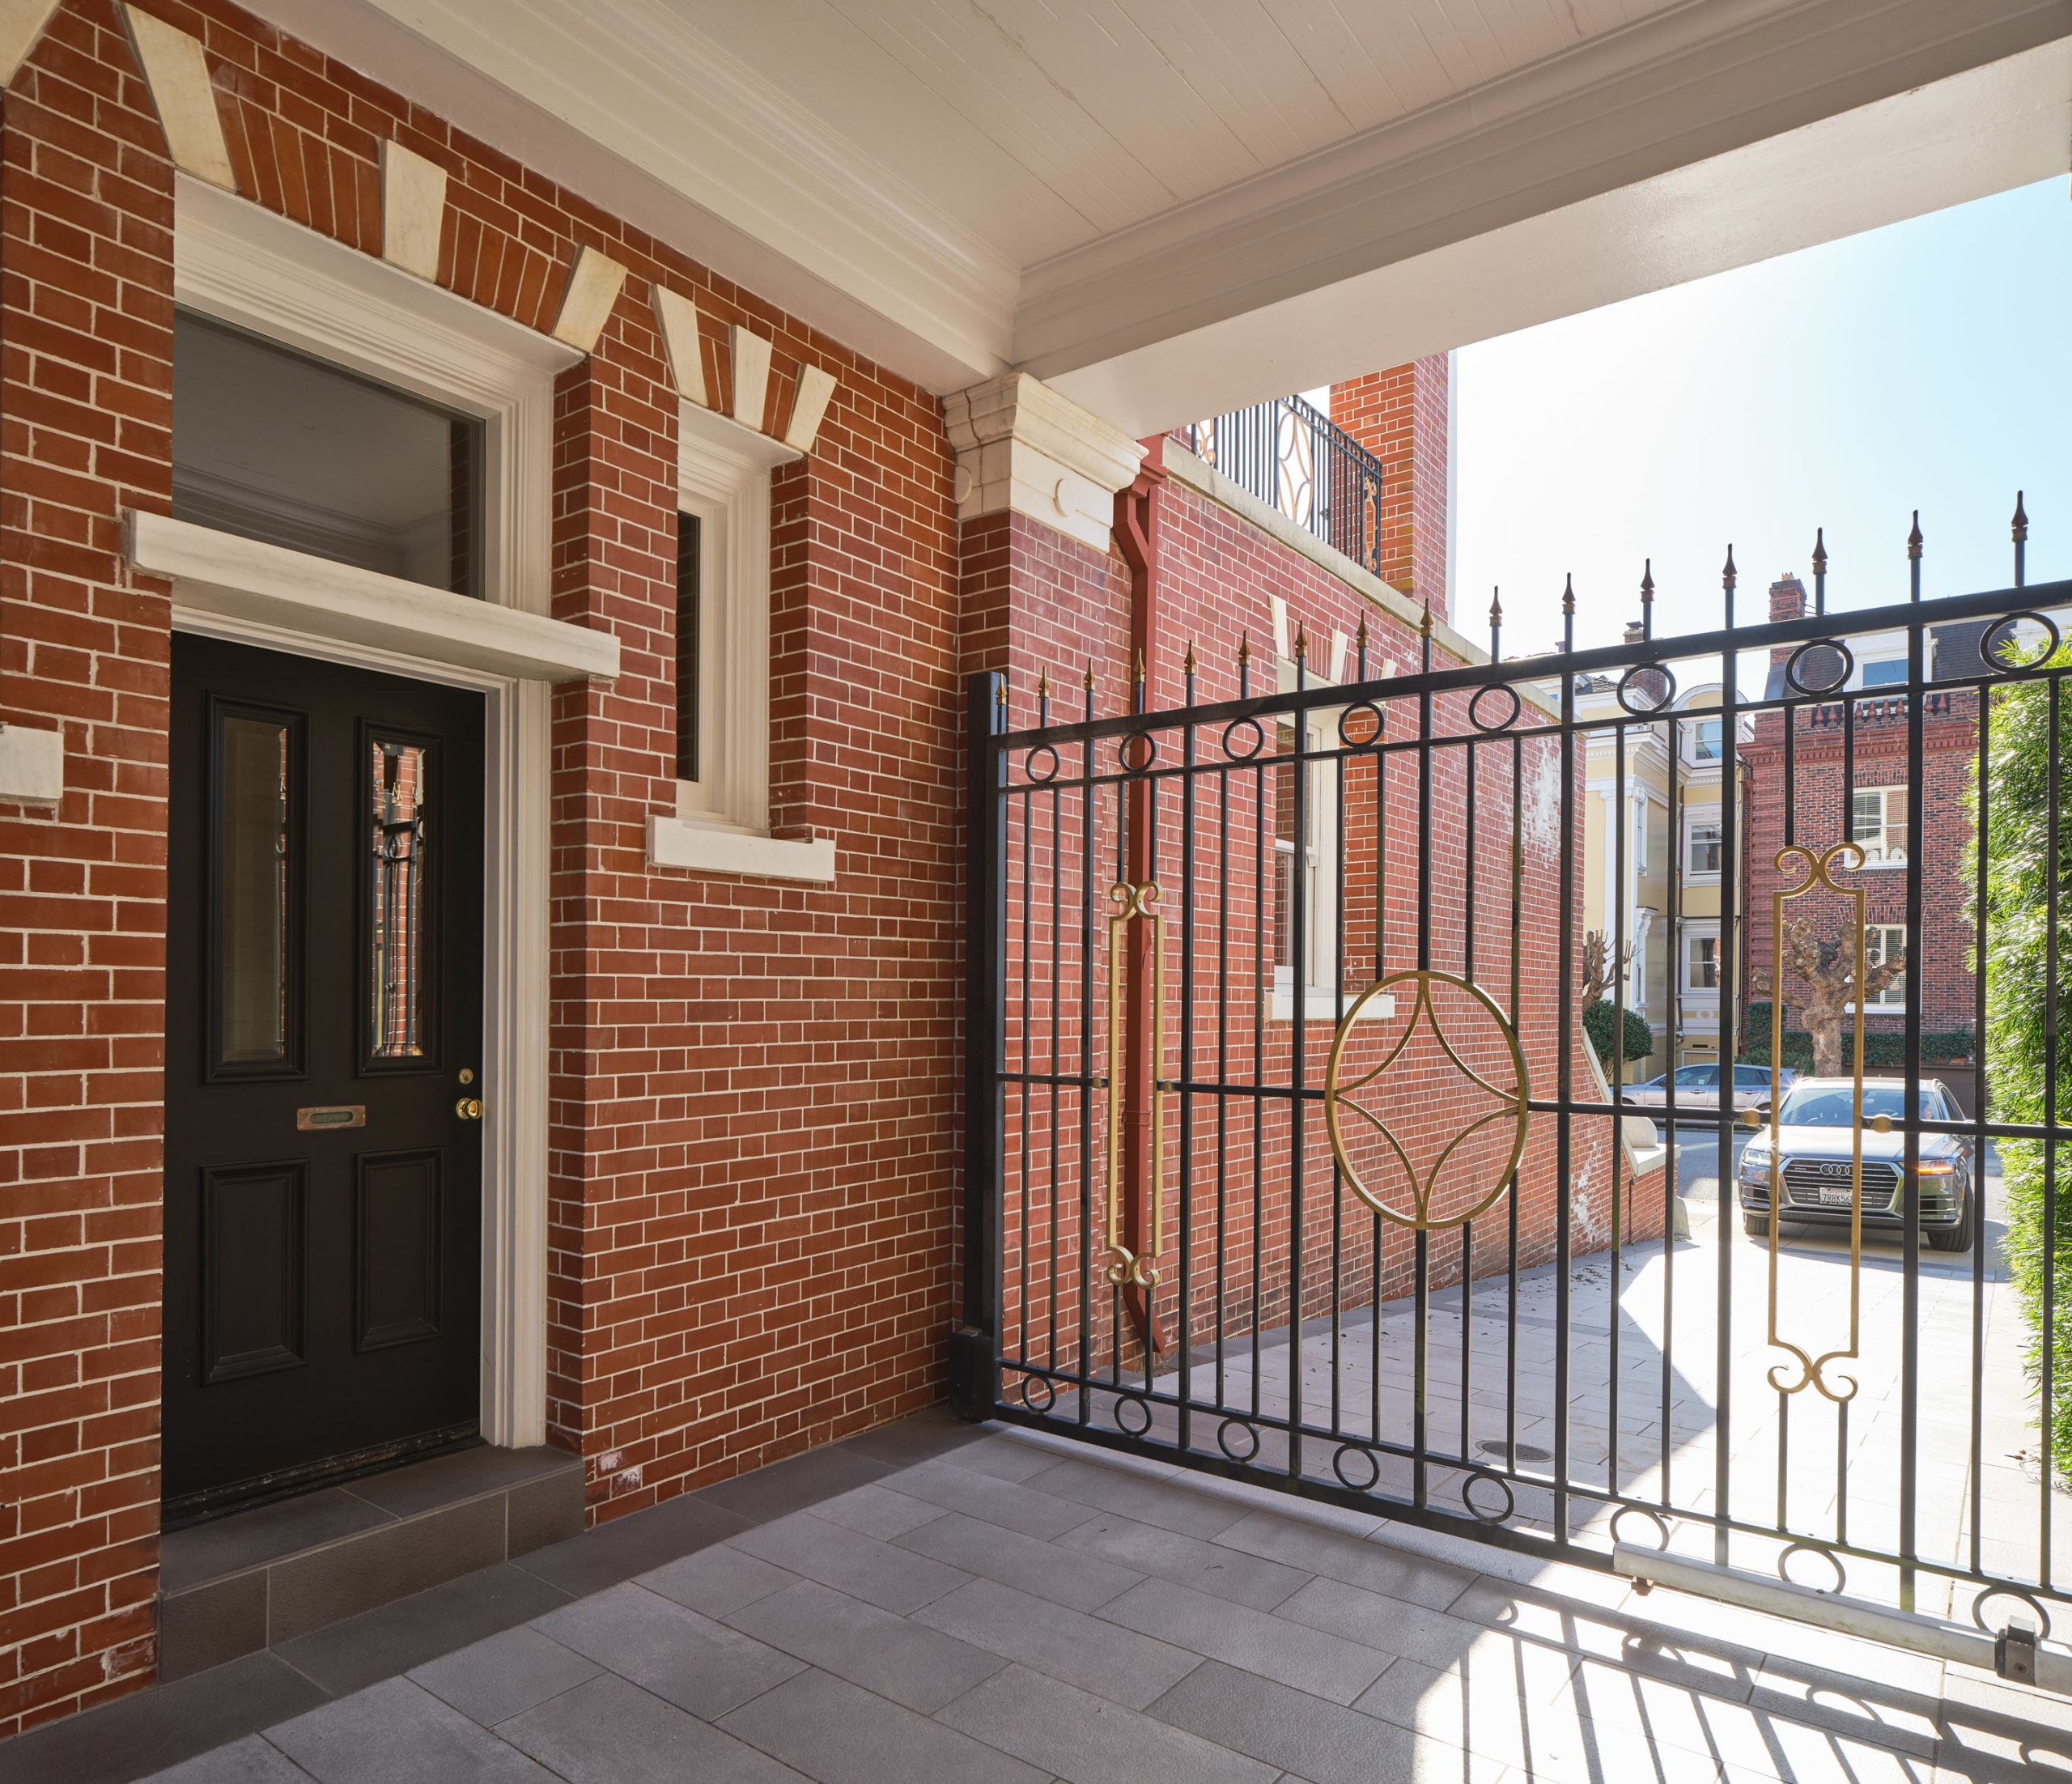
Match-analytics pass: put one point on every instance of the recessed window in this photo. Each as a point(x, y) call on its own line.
point(272, 445)
point(1893, 669)
point(1878, 825)
point(1318, 858)
point(1709, 740)
point(1884, 941)
point(689, 646)
point(1704, 854)
point(1701, 962)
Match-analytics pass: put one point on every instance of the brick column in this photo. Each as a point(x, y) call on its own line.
point(85, 203)
point(1400, 416)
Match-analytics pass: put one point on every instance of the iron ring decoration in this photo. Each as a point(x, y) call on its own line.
point(1028, 765)
point(1372, 1461)
point(1509, 1103)
point(1668, 694)
point(1791, 666)
point(1481, 694)
point(1123, 752)
point(1381, 725)
point(1258, 739)
point(1828, 1555)
point(1989, 646)
point(1503, 1486)
point(1223, 1439)
point(1029, 1384)
point(1122, 1423)
point(1654, 1517)
point(2029, 1598)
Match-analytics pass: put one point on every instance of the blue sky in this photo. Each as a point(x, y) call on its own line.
point(1928, 365)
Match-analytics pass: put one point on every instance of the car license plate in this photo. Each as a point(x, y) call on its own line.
point(1834, 1195)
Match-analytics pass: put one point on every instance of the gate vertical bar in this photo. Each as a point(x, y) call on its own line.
point(1729, 958)
point(1910, 1159)
point(975, 1345)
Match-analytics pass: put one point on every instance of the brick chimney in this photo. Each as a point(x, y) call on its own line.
point(1650, 684)
point(1787, 601)
point(1400, 416)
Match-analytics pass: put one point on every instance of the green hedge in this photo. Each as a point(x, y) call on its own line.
point(1885, 1051)
point(2020, 874)
point(1597, 1020)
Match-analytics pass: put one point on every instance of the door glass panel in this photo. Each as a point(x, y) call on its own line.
point(253, 898)
point(397, 836)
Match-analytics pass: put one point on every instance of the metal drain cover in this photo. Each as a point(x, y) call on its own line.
point(1525, 1452)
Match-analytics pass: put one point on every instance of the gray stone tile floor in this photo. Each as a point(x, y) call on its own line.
point(1017, 1608)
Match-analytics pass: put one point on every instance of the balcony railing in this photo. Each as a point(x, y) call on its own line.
point(1295, 459)
point(1883, 709)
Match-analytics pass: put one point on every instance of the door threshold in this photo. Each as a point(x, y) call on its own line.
point(189, 1509)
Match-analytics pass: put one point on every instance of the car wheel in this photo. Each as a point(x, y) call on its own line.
point(1756, 1226)
point(1951, 1238)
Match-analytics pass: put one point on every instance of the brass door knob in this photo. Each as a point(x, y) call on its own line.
point(468, 1108)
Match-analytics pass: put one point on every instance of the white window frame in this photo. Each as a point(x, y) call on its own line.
point(721, 823)
point(1864, 666)
point(1320, 886)
point(243, 264)
point(1692, 822)
point(1693, 733)
point(1890, 854)
point(1698, 932)
point(1893, 996)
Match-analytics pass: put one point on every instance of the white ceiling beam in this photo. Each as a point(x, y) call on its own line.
point(1702, 138)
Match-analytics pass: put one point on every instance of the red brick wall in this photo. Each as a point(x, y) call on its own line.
point(86, 318)
point(1400, 416)
point(753, 1105)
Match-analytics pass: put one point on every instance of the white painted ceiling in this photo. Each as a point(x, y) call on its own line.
point(1039, 127)
point(1168, 207)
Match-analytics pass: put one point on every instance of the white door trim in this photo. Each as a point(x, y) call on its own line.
point(245, 265)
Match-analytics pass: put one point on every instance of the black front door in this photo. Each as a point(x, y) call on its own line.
point(323, 1172)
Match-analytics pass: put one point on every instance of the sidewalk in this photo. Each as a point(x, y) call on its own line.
point(1015, 1608)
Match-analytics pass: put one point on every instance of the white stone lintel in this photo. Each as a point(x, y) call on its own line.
point(1021, 447)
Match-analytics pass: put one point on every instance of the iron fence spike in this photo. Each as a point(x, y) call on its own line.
point(1819, 550)
point(2021, 520)
point(1089, 675)
point(1647, 580)
point(1140, 665)
point(1188, 664)
point(1301, 642)
point(1569, 595)
point(1914, 540)
point(1729, 576)
point(1244, 648)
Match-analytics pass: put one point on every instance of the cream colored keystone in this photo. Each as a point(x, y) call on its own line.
point(751, 376)
point(808, 406)
point(177, 74)
point(677, 316)
point(413, 209)
point(594, 283)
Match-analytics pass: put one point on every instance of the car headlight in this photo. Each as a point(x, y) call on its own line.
point(1935, 1167)
point(1755, 1166)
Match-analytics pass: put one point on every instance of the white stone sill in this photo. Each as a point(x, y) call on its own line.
point(1322, 1006)
point(215, 572)
point(705, 849)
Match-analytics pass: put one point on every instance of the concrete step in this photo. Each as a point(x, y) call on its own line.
point(257, 1579)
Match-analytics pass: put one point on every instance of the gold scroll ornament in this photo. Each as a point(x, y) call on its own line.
point(1510, 1104)
point(1812, 1370)
point(1128, 1266)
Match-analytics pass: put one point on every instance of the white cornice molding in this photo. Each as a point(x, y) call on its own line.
point(646, 116)
point(1020, 446)
point(214, 572)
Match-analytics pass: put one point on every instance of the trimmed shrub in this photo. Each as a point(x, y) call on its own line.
point(1601, 1019)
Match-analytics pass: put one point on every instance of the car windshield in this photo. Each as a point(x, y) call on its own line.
point(1831, 1104)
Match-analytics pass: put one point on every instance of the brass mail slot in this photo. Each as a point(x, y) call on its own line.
point(339, 1115)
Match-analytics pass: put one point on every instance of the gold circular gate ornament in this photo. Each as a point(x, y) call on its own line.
point(1511, 1103)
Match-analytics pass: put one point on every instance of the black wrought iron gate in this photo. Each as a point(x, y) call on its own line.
point(1289, 1156)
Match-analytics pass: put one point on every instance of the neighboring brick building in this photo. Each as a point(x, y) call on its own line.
point(718, 1075)
point(1870, 808)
